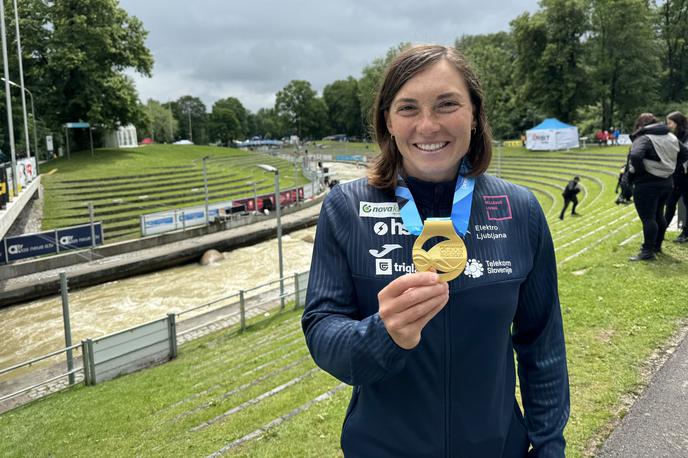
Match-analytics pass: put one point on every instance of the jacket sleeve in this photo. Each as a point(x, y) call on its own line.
point(538, 338)
point(354, 350)
point(681, 160)
point(637, 154)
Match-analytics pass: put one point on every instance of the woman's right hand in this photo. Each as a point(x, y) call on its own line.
point(408, 303)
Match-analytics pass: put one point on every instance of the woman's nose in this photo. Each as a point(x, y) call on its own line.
point(428, 122)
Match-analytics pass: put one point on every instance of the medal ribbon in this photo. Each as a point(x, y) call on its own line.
point(461, 206)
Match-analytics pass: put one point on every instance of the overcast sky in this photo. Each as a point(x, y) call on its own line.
point(251, 49)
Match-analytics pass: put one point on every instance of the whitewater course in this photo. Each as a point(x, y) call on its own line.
point(35, 328)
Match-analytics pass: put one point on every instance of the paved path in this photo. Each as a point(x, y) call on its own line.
point(657, 424)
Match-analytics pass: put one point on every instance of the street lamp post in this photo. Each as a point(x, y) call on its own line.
point(33, 115)
point(205, 186)
point(21, 81)
point(10, 125)
point(269, 168)
point(188, 112)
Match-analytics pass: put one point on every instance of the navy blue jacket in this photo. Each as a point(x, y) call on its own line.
point(454, 394)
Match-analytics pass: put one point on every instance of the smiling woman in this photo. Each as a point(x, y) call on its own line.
point(428, 346)
point(430, 120)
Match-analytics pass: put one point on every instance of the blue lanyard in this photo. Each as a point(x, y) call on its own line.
point(461, 206)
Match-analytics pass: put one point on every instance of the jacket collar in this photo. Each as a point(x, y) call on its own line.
point(650, 129)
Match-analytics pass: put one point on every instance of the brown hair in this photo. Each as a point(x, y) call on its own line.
point(681, 124)
point(645, 119)
point(386, 166)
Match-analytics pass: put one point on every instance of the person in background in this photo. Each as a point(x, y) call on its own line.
point(430, 358)
point(570, 195)
point(678, 124)
point(655, 155)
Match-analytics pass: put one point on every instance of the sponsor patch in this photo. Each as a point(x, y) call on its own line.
point(394, 226)
point(488, 231)
point(498, 208)
point(383, 267)
point(476, 269)
point(386, 249)
point(378, 209)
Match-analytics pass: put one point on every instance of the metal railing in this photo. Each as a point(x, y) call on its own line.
point(199, 320)
point(69, 373)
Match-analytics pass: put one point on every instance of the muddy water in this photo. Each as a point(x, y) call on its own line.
point(36, 328)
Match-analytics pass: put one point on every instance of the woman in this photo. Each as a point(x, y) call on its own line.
point(678, 124)
point(432, 361)
point(655, 155)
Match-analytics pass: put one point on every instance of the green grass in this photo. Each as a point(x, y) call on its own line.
point(123, 184)
point(616, 315)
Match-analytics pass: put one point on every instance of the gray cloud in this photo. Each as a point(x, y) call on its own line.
point(250, 50)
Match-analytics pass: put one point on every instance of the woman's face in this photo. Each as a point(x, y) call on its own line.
point(671, 125)
point(431, 118)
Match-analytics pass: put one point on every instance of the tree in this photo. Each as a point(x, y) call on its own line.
point(93, 42)
point(228, 120)
point(268, 124)
point(369, 84)
point(161, 124)
point(672, 20)
point(624, 60)
point(493, 59)
point(301, 109)
point(190, 112)
point(549, 56)
point(343, 107)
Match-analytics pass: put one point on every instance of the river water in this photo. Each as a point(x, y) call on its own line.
point(35, 328)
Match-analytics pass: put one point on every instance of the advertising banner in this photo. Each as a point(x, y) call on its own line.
point(287, 197)
point(159, 222)
point(350, 158)
point(10, 183)
point(4, 190)
point(30, 245)
point(79, 236)
point(26, 171)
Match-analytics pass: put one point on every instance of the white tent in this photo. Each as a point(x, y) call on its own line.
point(552, 134)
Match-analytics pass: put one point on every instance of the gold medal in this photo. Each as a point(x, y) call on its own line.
point(447, 257)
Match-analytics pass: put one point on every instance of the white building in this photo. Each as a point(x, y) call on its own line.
point(124, 137)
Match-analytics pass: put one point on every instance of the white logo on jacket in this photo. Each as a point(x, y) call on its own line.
point(397, 228)
point(474, 268)
point(384, 266)
point(386, 249)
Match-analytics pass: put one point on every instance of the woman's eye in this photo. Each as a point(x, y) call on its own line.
point(448, 105)
point(406, 108)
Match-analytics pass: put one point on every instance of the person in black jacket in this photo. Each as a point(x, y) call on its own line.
point(678, 124)
point(430, 355)
point(570, 195)
point(655, 156)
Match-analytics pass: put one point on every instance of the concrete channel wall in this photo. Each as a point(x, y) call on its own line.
point(24, 281)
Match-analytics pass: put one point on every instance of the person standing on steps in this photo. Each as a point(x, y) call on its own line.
point(678, 124)
point(656, 155)
point(571, 196)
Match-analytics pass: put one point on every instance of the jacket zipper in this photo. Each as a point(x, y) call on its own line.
point(447, 383)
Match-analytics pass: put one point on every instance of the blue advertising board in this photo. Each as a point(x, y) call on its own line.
point(79, 236)
point(350, 158)
point(30, 245)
